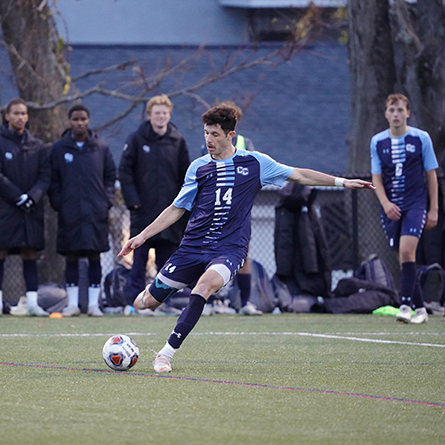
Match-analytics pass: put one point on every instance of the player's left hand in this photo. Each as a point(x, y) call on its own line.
point(431, 219)
point(354, 184)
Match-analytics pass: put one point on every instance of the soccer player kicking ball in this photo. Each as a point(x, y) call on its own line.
point(219, 189)
point(401, 158)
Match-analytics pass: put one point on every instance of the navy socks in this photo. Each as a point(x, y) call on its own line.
point(244, 287)
point(187, 320)
point(408, 283)
point(30, 275)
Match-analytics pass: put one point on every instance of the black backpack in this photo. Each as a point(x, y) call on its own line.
point(262, 293)
point(114, 287)
point(431, 280)
point(376, 271)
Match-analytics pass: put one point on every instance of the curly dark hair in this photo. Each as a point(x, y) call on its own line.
point(78, 107)
point(225, 116)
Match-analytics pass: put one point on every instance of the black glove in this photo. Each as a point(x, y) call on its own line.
point(25, 202)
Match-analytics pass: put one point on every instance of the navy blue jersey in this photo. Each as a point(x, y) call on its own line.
point(402, 162)
point(221, 194)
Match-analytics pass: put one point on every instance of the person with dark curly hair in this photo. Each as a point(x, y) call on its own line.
point(219, 189)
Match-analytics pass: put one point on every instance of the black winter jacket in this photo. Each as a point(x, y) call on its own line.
point(301, 250)
point(24, 168)
point(81, 191)
point(151, 173)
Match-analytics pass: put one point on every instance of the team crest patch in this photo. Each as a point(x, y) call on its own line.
point(8, 155)
point(146, 148)
point(69, 157)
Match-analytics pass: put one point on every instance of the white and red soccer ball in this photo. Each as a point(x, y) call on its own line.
point(120, 352)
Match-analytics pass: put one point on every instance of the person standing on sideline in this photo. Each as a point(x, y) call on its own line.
point(81, 191)
point(244, 275)
point(219, 189)
point(24, 179)
point(151, 172)
point(401, 158)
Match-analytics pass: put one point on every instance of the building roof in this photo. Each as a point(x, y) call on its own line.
point(298, 112)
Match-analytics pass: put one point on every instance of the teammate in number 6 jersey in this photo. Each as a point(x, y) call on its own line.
point(401, 158)
point(219, 190)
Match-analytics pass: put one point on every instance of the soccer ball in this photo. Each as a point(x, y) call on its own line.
point(120, 352)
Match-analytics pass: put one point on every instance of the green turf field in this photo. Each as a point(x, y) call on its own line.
point(285, 379)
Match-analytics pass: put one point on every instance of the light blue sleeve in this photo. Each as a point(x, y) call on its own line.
point(428, 155)
point(271, 171)
point(187, 194)
point(376, 163)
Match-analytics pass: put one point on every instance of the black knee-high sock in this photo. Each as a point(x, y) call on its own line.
point(30, 275)
point(244, 287)
point(72, 272)
point(187, 320)
point(407, 283)
point(94, 272)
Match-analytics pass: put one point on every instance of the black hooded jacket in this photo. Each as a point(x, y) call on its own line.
point(151, 173)
point(24, 168)
point(81, 191)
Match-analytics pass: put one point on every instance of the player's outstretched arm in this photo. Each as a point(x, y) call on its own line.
point(309, 177)
point(168, 217)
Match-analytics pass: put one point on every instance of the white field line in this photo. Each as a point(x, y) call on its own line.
point(301, 334)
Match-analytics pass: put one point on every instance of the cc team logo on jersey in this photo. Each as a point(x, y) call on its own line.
point(8, 155)
point(242, 171)
point(411, 148)
point(68, 157)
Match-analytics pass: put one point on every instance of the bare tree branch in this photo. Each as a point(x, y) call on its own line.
point(120, 67)
point(242, 60)
point(199, 99)
point(230, 67)
point(121, 115)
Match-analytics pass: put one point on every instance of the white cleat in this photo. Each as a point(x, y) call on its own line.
point(249, 309)
point(21, 308)
point(37, 311)
point(421, 316)
point(71, 311)
point(94, 311)
point(404, 314)
point(222, 307)
point(208, 310)
point(162, 364)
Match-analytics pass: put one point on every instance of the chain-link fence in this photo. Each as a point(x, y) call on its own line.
point(351, 220)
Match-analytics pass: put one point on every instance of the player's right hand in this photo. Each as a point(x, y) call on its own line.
point(130, 245)
point(392, 211)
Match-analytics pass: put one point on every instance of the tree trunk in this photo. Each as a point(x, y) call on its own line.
point(372, 76)
point(395, 47)
point(418, 33)
point(36, 54)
